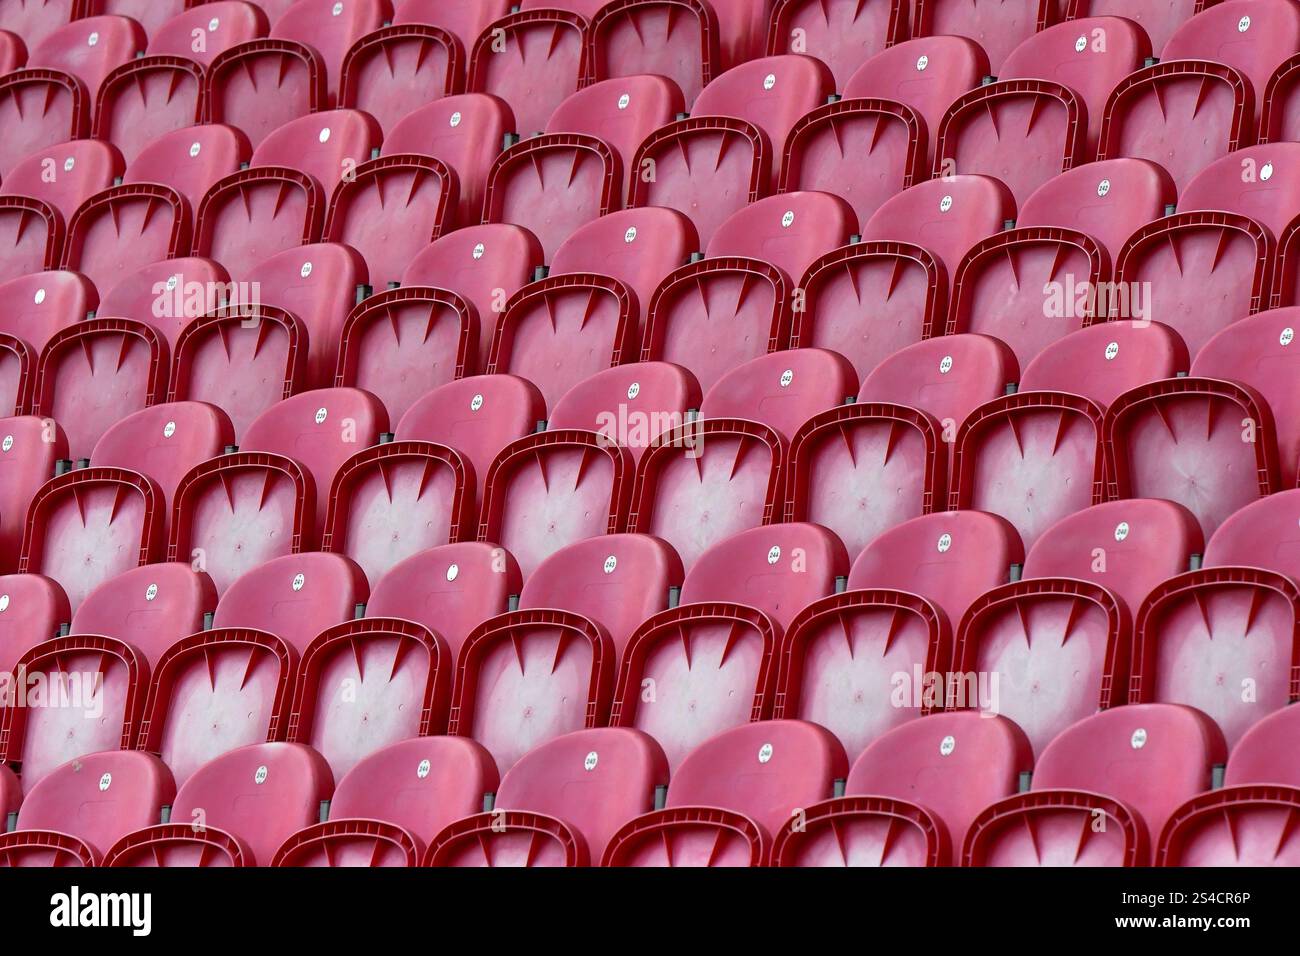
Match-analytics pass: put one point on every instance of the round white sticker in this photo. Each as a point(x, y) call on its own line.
point(947, 745)
point(169, 430)
point(624, 101)
point(338, 8)
point(945, 542)
point(1139, 738)
point(945, 203)
point(92, 40)
point(299, 580)
point(213, 24)
point(765, 753)
point(630, 235)
point(4, 603)
point(1266, 172)
point(945, 365)
point(1112, 350)
point(453, 572)
point(455, 120)
point(325, 135)
point(633, 390)
point(610, 564)
point(1080, 44)
point(422, 770)
point(478, 251)
point(321, 415)
point(151, 592)
point(589, 764)
point(68, 164)
point(788, 219)
point(259, 777)
point(1121, 531)
point(476, 403)
point(1287, 336)
point(769, 81)
point(1243, 24)
point(1103, 187)
point(774, 554)
point(40, 296)
point(105, 782)
point(305, 271)
point(8, 443)
point(195, 149)
point(922, 62)
point(173, 282)
point(787, 378)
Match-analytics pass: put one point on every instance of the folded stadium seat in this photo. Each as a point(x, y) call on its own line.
point(539, 818)
point(260, 85)
point(466, 133)
point(34, 20)
point(235, 810)
point(150, 14)
point(1223, 235)
point(548, 668)
point(863, 468)
point(1159, 18)
point(164, 442)
point(1103, 361)
point(281, 200)
point(711, 662)
point(730, 794)
point(35, 608)
point(30, 450)
point(861, 662)
point(911, 795)
point(1247, 821)
point(64, 175)
point(878, 139)
point(870, 299)
point(484, 265)
point(630, 405)
point(168, 294)
point(1188, 641)
point(96, 372)
point(575, 172)
point(637, 246)
point(1101, 790)
point(532, 58)
point(729, 152)
point(1213, 72)
point(100, 673)
point(392, 804)
point(724, 472)
point(736, 304)
point(50, 100)
point(997, 27)
point(232, 685)
point(1047, 105)
point(843, 34)
point(478, 417)
point(36, 307)
point(1035, 284)
point(158, 93)
point(1059, 638)
point(190, 160)
point(1213, 441)
point(81, 809)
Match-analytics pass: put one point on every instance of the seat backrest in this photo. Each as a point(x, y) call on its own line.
point(1263, 534)
point(168, 294)
point(779, 569)
point(952, 764)
point(165, 441)
point(149, 607)
point(32, 608)
point(945, 216)
point(90, 49)
point(328, 145)
point(1103, 361)
point(1251, 37)
point(790, 231)
point(295, 597)
point(781, 389)
point(41, 303)
point(203, 34)
point(261, 793)
point(463, 19)
point(1129, 546)
point(1262, 182)
point(593, 780)
point(331, 27)
point(617, 580)
point(1107, 200)
point(1264, 753)
point(950, 557)
point(621, 112)
point(767, 770)
point(34, 20)
point(66, 175)
point(29, 447)
point(191, 160)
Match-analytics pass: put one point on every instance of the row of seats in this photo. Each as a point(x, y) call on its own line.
point(1127, 787)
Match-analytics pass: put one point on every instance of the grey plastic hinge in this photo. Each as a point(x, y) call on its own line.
point(489, 801)
point(696, 256)
point(1008, 225)
point(363, 292)
point(512, 603)
point(1194, 562)
point(841, 584)
point(509, 140)
point(165, 814)
point(1026, 777)
point(1015, 573)
point(208, 618)
point(387, 438)
point(988, 81)
point(1151, 61)
point(1216, 776)
point(65, 630)
point(394, 285)
point(232, 449)
point(83, 463)
point(324, 811)
point(539, 427)
point(540, 273)
point(359, 611)
point(683, 116)
point(374, 152)
point(838, 786)
point(62, 467)
point(1012, 388)
point(661, 797)
point(674, 596)
point(833, 98)
point(1170, 209)
point(855, 239)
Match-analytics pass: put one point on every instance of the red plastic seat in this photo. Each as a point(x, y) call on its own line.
point(548, 668)
point(30, 448)
point(560, 804)
point(34, 20)
point(1101, 790)
point(168, 295)
point(150, 14)
point(857, 662)
point(37, 306)
point(379, 817)
point(463, 19)
point(81, 809)
point(190, 160)
point(997, 27)
point(731, 794)
point(248, 803)
point(117, 231)
point(911, 796)
point(575, 172)
point(465, 133)
point(260, 85)
point(1190, 643)
point(31, 237)
point(65, 175)
point(35, 607)
point(843, 34)
point(150, 608)
point(148, 97)
point(711, 662)
point(1159, 18)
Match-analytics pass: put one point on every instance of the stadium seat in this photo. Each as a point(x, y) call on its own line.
point(190, 160)
point(30, 450)
point(730, 795)
point(1047, 104)
point(31, 237)
point(115, 232)
point(245, 804)
point(64, 175)
point(843, 34)
point(857, 662)
point(259, 85)
point(380, 816)
point(728, 153)
point(51, 99)
point(911, 796)
point(35, 607)
point(150, 14)
point(1102, 361)
point(1214, 67)
point(1102, 790)
point(548, 668)
point(37, 306)
point(34, 20)
point(466, 133)
point(168, 295)
point(1159, 18)
point(712, 315)
point(81, 809)
point(150, 608)
point(463, 19)
point(575, 172)
point(997, 27)
point(148, 97)
point(1222, 639)
point(711, 662)
point(560, 804)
